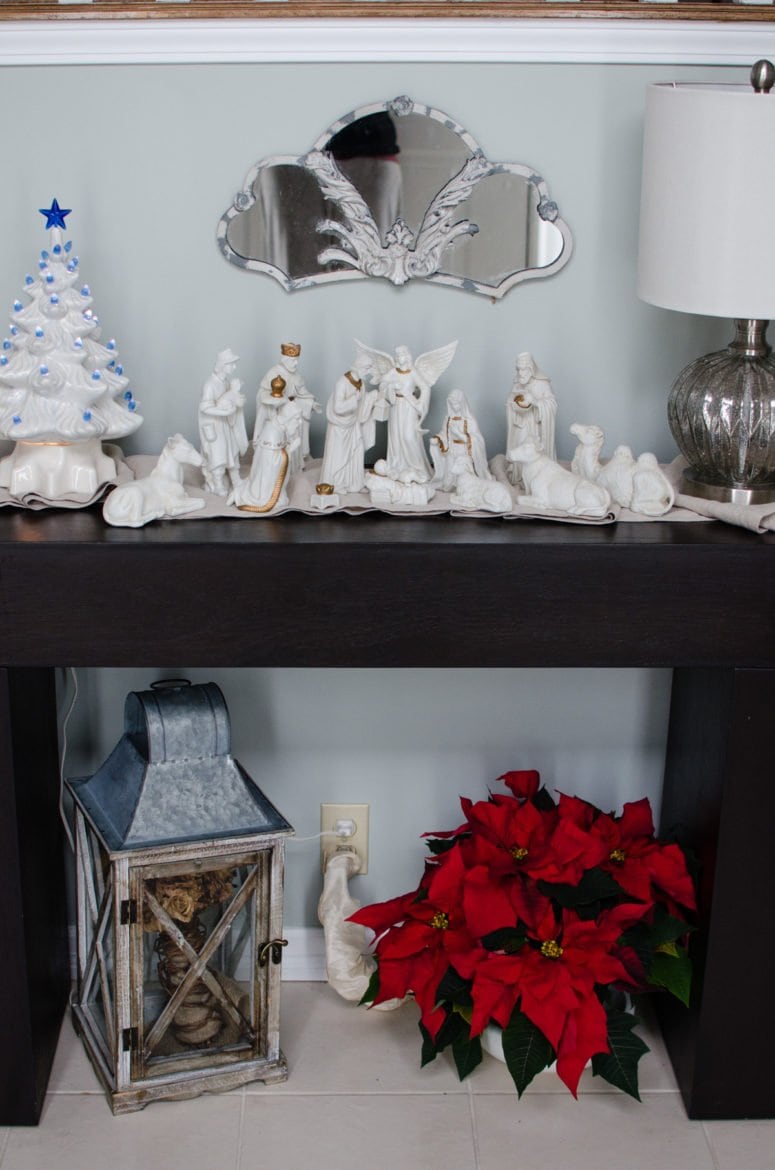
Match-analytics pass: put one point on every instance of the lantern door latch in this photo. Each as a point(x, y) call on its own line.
point(273, 947)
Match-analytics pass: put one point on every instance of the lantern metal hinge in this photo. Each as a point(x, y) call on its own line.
point(275, 945)
point(128, 912)
point(130, 1039)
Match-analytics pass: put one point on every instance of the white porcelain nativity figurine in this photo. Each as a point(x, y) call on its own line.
point(551, 487)
point(266, 488)
point(459, 446)
point(350, 431)
point(531, 412)
point(158, 495)
point(474, 494)
point(652, 492)
point(222, 435)
point(282, 383)
point(637, 484)
point(405, 388)
point(386, 492)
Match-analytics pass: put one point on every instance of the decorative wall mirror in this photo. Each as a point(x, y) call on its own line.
point(396, 190)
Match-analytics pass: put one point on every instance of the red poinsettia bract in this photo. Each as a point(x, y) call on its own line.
point(541, 908)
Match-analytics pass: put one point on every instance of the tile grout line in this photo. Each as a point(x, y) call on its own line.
point(240, 1129)
point(474, 1127)
point(711, 1148)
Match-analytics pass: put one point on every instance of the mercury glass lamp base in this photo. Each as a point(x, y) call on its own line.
point(692, 485)
point(721, 412)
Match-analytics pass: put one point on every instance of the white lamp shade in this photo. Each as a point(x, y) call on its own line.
point(707, 226)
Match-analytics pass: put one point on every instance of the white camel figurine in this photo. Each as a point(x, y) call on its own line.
point(586, 457)
point(159, 494)
point(638, 484)
point(652, 492)
point(551, 487)
point(616, 475)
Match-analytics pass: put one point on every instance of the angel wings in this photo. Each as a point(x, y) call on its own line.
point(428, 366)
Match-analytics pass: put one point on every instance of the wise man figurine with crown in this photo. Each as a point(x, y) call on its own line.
point(63, 392)
point(294, 389)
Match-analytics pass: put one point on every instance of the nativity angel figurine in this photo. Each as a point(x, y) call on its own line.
point(282, 383)
point(531, 411)
point(405, 390)
point(222, 434)
point(350, 431)
point(459, 446)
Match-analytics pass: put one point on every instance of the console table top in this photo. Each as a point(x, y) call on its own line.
point(376, 590)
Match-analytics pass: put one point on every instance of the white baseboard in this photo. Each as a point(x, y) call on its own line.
point(304, 959)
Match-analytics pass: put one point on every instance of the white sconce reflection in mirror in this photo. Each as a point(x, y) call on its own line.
point(396, 190)
point(707, 242)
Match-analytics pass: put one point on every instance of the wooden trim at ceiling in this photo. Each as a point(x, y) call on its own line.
point(686, 10)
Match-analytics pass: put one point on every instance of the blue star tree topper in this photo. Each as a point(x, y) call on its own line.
point(55, 215)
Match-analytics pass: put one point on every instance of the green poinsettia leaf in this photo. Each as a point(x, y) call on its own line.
point(467, 1053)
point(620, 1066)
point(543, 800)
point(454, 989)
point(665, 928)
point(673, 972)
point(508, 939)
point(429, 1049)
point(372, 991)
point(595, 886)
point(453, 1027)
point(440, 844)
point(526, 1050)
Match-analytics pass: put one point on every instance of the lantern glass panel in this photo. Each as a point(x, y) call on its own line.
point(194, 995)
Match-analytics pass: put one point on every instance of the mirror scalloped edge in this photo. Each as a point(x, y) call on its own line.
point(395, 190)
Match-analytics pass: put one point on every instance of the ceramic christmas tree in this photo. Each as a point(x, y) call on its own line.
point(62, 391)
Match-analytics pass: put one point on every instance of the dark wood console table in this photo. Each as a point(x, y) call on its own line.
point(379, 591)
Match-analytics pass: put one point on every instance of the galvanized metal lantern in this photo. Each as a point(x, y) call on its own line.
point(180, 879)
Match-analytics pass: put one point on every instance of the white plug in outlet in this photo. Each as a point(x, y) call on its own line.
point(350, 823)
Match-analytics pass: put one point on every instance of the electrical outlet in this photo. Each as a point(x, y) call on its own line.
point(335, 817)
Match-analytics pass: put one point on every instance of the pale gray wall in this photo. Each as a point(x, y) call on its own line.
point(148, 158)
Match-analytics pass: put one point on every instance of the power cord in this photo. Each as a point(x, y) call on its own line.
point(65, 721)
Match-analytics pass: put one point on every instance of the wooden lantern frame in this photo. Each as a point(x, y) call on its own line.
point(114, 901)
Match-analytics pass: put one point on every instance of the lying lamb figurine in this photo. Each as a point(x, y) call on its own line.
point(157, 495)
point(553, 488)
point(473, 494)
point(639, 485)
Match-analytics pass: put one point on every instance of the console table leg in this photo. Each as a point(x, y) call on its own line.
point(720, 789)
point(34, 967)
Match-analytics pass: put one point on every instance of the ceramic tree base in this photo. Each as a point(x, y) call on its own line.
point(71, 472)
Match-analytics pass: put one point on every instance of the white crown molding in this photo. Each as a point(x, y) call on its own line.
point(630, 42)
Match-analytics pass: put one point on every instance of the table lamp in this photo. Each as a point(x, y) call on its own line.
point(707, 246)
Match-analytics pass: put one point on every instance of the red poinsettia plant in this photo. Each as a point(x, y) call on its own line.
point(539, 916)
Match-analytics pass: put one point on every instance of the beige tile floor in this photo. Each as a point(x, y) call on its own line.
point(356, 1099)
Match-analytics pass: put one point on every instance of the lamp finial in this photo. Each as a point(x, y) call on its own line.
point(763, 76)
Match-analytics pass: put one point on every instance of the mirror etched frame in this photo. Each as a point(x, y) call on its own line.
point(352, 246)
